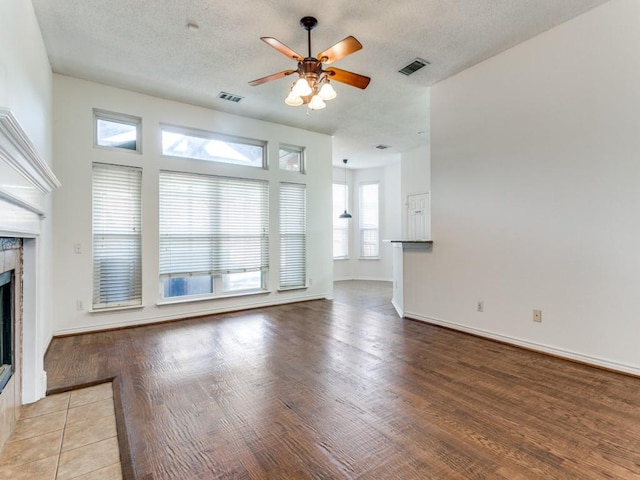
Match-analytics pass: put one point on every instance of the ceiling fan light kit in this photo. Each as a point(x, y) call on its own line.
point(313, 86)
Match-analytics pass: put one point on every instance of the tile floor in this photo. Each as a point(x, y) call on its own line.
point(65, 436)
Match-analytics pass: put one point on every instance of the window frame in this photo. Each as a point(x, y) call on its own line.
point(294, 149)
point(209, 135)
point(284, 225)
point(213, 214)
point(136, 300)
point(364, 228)
point(121, 118)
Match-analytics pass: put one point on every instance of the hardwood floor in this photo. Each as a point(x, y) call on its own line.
point(347, 390)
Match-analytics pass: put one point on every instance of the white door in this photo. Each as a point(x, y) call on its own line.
point(418, 217)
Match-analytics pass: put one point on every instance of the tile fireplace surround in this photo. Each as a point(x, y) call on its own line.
point(10, 397)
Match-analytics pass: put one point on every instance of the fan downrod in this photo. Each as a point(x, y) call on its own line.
point(308, 23)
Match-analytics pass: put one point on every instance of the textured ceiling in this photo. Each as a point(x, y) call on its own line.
point(145, 46)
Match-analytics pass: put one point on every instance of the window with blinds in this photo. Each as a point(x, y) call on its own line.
point(117, 264)
point(293, 235)
point(214, 234)
point(340, 225)
point(369, 223)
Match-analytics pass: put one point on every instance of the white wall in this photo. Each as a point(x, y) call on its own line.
point(391, 227)
point(415, 178)
point(390, 205)
point(74, 153)
point(26, 89)
point(535, 199)
point(25, 74)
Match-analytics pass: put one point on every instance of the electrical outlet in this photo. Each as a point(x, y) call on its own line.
point(480, 306)
point(537, 316)
point(79, 305)
point(77, 248)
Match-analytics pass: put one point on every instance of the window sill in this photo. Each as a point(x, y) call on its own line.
point(368, 258)
point(137, 151)
point(340, 259)
point(289, 289)
point(115, 309)
point(205, 299)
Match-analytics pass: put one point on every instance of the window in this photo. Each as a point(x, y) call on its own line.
point(368, 214)
point(117, 266)
point(340, 225)
point(291, 158)
point(117, 130)
point(213, 235)
point(293, 235)
point(203, 145)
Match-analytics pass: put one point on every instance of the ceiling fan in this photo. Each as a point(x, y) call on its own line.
point(312, 87)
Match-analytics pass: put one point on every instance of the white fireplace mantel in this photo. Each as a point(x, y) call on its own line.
point(25, 178)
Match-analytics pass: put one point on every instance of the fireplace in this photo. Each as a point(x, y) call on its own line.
point(25, 244)
point(6, 328)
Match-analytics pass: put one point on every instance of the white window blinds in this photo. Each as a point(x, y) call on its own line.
point(212, 225)
point(293, 235)
point(340, 225)
point(117, 266)
point(368, 214)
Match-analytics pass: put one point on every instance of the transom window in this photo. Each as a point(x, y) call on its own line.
point(291, 158)
point(212, 147)
point(117, 130)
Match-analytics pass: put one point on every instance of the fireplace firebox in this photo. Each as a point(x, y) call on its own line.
point(6, 327)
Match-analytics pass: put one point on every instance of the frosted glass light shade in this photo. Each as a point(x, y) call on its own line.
point(302, 88)
point(327, 92)
point(316, 103)
point(293, 100)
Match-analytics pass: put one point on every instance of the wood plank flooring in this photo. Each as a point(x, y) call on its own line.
point(345, 389)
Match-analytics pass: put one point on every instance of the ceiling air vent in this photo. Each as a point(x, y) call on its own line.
point(413, 67)
point(382, 147)
point(230, 96)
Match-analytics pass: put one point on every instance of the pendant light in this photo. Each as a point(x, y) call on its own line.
point(345, 214)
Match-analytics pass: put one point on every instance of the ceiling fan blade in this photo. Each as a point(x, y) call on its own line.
point(281, 47)
point(340, 50)
point(350, 78)
point(269, 78)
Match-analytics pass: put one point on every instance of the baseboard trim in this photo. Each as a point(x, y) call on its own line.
point(103, 327)
point(536, 347)
point(397, 308)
